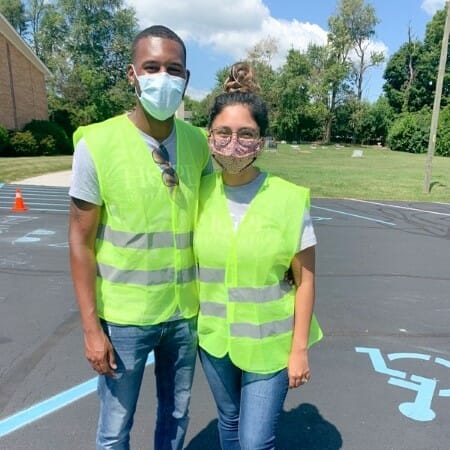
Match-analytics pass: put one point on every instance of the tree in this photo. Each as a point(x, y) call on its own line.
point(200, 110)
point(326, 88)
point(260, 57)
point(263, 51)
point(378, 121)
point(360, 21)
point(350, 30)
point(290, 90)
point(86, 45)
point(14, 11)
point(35, 12)
point(411, 72)
point(428, 68)
point(400, 75)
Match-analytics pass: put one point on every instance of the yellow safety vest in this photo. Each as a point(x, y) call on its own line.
point(145, 262)
point(246, 307)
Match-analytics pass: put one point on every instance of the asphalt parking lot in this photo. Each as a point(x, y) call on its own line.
point(380, 378)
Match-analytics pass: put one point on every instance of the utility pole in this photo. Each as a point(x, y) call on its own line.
point(437, 103)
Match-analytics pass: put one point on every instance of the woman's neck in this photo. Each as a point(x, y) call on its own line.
point(238, 179)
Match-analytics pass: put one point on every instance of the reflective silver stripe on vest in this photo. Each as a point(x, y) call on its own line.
point(213, 309)
point(184, 240)
point(144, 277)
point(143, 241)
point(211, 275)
point(259, 295)
point(186, 275)
point(262, 331)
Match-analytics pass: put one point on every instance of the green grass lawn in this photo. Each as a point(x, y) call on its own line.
point(329, 171)
point(14, 169)
point(380, 174)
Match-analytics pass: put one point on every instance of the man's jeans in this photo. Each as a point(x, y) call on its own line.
point(248, 404)
point(175, 347)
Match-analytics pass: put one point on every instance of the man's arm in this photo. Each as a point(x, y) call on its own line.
point(83, 224)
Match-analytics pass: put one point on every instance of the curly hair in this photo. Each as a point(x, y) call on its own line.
point(241, 88)
point(241, 78)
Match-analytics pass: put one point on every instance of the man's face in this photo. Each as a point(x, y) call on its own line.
point(153, 55)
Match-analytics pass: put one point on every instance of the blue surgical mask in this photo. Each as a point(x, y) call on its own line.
point(161, 93)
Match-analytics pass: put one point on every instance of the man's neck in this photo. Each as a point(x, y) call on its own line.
point(157, 129)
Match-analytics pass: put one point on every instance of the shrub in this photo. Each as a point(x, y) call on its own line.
point(4, 141)
point(410, 132)
point(63, 118)
point(24, 143)
point(47, 146)
point(42, 130)
point(443, 133)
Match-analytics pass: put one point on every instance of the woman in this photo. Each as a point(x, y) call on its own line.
point(254, 327)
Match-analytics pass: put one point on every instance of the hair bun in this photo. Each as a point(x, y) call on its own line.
point(241, 78)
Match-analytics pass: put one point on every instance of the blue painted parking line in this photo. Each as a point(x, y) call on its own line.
point(420, 409)
point(443, 362)
point(378, 362)
point(46, 407)
point(394, 356)
point(354, 215)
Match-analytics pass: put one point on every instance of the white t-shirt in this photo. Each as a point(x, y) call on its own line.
point(239, 198)
point(85, 185)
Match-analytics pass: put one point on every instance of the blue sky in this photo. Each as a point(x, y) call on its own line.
point(219, 32)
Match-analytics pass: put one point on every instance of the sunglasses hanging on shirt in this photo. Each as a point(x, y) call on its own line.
point(168, 173)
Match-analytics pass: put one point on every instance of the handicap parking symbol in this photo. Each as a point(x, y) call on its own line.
point(425, 388)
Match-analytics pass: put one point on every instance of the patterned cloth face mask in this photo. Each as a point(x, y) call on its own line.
point(234, 155)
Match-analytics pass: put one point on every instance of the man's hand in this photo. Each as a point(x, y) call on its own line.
point(100, 353)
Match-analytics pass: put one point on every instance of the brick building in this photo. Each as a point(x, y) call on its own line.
point(23, 95)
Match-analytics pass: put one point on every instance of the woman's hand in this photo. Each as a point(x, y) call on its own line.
point(298, 368)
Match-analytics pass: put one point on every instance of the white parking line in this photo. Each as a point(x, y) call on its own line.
point(401, 207)
point(371, 219)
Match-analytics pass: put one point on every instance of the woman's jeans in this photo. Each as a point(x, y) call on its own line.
point(175, 348)
point(248, 404)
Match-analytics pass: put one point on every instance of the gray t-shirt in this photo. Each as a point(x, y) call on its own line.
point(239, 198)
point(85, 184)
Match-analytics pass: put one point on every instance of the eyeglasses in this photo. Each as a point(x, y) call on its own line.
point(245, 136)
point(169, 175)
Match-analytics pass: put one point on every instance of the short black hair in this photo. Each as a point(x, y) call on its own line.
point(160, 31)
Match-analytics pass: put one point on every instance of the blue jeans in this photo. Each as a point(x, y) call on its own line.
point(248, 404)
point(175, 348)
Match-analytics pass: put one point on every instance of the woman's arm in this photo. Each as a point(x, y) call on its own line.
point(303, 269)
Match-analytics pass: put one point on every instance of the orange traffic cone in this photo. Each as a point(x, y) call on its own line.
point(19, 205)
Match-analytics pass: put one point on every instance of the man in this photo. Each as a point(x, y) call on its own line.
point(133, 204)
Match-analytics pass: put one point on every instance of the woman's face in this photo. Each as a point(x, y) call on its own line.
point(234, 138)
point(235, 117)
